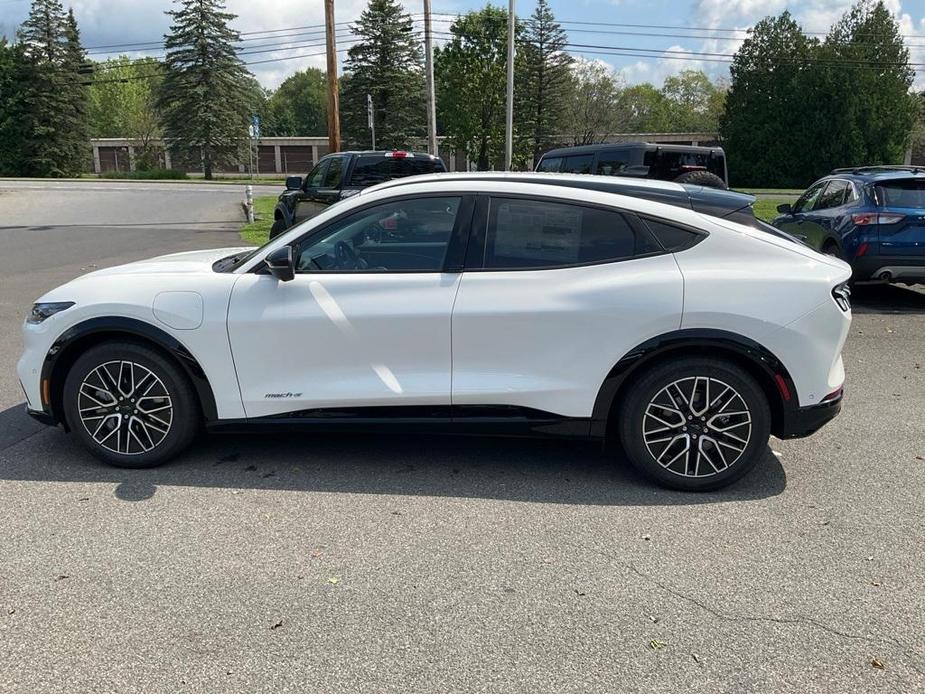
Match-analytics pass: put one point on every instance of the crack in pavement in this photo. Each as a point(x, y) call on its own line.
point(805, 621)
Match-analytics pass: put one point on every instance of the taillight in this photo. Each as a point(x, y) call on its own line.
point(867, 218)
point(842, 295)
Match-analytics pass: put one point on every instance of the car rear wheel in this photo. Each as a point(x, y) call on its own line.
point(695, 424)
point(129, 405)
point(831, 248)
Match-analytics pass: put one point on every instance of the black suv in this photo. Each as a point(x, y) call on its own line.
point(701, 166)
point(340, 175)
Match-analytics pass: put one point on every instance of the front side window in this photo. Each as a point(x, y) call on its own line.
point(579, 163)
point(808, 199)
point(537, 234)
point(833, 196)
point(334, 173)
point(313, 180)
point(549, 164)
point(399, 236)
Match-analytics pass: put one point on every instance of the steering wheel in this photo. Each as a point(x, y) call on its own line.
point(347, 258)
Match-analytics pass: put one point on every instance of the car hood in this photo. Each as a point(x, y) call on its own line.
point(188, 261)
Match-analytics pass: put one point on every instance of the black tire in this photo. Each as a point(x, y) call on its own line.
point(831, 248)
point(279, 226)
point(702, 178)
point(652, 387)
point(153, 379)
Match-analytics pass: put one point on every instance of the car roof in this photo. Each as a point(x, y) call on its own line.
point(383, 152)
point(871, 174)
point(668, 147)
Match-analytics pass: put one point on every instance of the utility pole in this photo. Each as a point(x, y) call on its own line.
point(429, 70)
point(333, 108)
point(509, 125)
point(371, 118)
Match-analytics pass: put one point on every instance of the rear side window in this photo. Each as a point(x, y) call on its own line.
point(537, 234)
point(612, 163)
point(908, 193)
point(579, 163)
point(671, 237)
point(372, 169)
point(549, 164)
point(668, 165)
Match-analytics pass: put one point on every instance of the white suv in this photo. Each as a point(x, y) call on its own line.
point(507, 307)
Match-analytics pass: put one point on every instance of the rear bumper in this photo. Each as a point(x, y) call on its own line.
point(805, 421)
point(901, 268)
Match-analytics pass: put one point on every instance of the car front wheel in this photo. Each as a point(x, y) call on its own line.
point(129, 405)
point(695, 424)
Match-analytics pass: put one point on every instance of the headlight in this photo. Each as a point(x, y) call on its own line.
point(42, 311)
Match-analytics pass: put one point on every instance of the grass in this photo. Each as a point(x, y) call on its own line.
point(771, 191)
point(259, 231)
point(766, 209)
point(147, 175)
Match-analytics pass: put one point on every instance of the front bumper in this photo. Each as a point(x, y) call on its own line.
point(42, 417)
point(805, 421)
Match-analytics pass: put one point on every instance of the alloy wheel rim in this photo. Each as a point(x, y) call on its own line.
point(697, 426)
point(125, 407)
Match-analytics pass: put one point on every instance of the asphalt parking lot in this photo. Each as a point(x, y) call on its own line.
point(377, 564)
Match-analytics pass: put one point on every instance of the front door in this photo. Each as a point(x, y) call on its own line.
point(800, 222)
point(306, 206)
point(366, 320)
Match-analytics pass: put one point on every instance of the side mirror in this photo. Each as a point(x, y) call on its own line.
point(293, 182)
point(280, 264)
point(785, 208)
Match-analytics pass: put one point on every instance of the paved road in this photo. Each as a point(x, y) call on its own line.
point(371, 564)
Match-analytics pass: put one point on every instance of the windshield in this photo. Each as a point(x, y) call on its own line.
point(375, 168)
point(907, 193)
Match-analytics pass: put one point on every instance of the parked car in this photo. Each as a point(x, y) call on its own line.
point(702, 166)
point(873, 217)
point(495, 306)
point(340, 175)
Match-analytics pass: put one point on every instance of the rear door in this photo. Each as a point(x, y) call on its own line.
point(553, 295)
point(902, 220)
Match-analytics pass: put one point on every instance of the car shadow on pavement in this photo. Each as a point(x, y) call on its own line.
point(543, 471)
point(887, 298)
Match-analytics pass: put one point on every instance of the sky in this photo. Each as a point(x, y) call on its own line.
point(280, 40)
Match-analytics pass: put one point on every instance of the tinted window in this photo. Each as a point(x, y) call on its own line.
point(375, 168)
point(398, 236)
point(549, 164)
point(334, 173)
point(313, 180)
point(534, 234)
point(612, 163)
point(833, 196)
point(671, 237)
point(579, 163)
point(668, 165)
point(908, 193)
point(808, 199)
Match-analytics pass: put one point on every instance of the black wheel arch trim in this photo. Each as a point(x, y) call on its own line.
point(60, 356)
point(771, 373)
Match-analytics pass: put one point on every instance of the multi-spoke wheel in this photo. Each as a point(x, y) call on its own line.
point(695, 424)
point(129, 405)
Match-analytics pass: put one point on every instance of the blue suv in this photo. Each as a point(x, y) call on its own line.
point(870, 216)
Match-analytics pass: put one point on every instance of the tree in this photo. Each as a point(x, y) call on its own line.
point(52, 141)
point(765, 125)
point(74, 118)
point(123, 103)
point(471, 74)
point(694, 103)
point(547, 71)
point(204, 96)
point(644, 109)
point(386, 63)
point(299, 107)
point(592, 111)
point(11, 108)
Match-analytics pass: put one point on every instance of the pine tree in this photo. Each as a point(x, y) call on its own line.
point(11, 109)
point(48, 145)
point(547, 71)
point(204, 97)
point(75, 118)
point(387, 65)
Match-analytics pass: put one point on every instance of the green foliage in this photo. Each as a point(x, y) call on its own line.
point(299, 107)
point(12, 64)
point(548, 79)
point(387, 64)
point(592, 113)
point(693, 103)
point(798, 108)
point(51, 137)
point(471, 74)
point(147, 174)
point(205, 98)
point(644, 108)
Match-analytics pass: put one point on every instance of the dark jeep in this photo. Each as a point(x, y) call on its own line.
point(701, 166)
point(340, 175)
